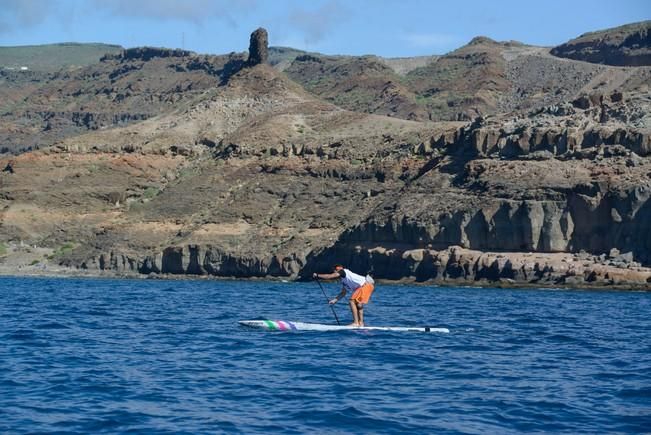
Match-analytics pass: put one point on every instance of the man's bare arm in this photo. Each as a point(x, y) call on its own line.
point(341, 294)
point(333, 275)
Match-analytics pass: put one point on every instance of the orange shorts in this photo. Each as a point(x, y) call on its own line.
point(363, 293)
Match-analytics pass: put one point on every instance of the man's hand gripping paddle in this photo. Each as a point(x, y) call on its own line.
point(328, 300)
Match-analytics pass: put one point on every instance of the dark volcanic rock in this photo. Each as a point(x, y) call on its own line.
point(446, 266)
point(258, 47)
point(145, 54)
point(628, 45)
point(458, 265)
point(608, 124)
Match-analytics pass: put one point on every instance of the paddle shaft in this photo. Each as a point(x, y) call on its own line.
point(328, 300)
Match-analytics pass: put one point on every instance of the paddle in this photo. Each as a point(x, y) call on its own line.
point(328, 300)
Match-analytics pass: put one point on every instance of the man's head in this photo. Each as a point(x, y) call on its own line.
point(338, 267)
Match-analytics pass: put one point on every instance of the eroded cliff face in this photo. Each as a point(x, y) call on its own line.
point(590, 221)
point(256, 177)
point(624, 45)
point(197, 260)
point(590, 126)
point(379, 196)
point(457, 265)
point(454, 265)
point(400, 213)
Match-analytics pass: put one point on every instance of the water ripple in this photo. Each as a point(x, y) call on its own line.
point(87, 356)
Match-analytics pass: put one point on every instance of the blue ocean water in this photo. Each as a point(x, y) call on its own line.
point(114, 356)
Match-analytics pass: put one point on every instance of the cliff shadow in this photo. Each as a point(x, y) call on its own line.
point(232, 67)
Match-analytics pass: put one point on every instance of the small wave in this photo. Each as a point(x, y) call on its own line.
point(519, 341)
point(627, 393)
point(21, 334)
point(97, 313)
point(51, 325)
point(348, 417)
point(562, 338)
point(10, 383)
point(606, 376)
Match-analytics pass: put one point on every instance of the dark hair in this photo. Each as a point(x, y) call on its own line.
point(337, 266)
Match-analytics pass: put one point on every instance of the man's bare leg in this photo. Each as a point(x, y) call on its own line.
point(360, 314)
point(353, 309)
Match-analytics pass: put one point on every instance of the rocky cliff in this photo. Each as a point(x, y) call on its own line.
point(628, 45)
point(40, 109)
point(252, 175)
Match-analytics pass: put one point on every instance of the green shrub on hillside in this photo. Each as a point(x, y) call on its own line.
point(151, 192)
point(62, 250)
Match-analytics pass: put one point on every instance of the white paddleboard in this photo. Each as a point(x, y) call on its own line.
point(283, 325)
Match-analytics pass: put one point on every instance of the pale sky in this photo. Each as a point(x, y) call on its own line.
point(382, 27)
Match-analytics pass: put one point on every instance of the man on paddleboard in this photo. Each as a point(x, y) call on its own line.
point(361, 287)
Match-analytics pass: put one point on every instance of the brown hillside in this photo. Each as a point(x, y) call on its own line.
point(121, 89)
point(253, 175)
point(361, 84)
point(628, 45)
point(464, 83)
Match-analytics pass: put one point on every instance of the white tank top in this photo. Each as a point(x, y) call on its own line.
point(352, 281)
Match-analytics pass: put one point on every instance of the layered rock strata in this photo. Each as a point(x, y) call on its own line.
point(247, 174)
point(625, 45)
point(454, 265)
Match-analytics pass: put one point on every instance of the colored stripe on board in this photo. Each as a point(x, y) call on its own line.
point(291, 325)
point(271, 325)
point(281, 325)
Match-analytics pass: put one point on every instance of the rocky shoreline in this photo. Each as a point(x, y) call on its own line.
point(451, 267)
point(70, 273)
